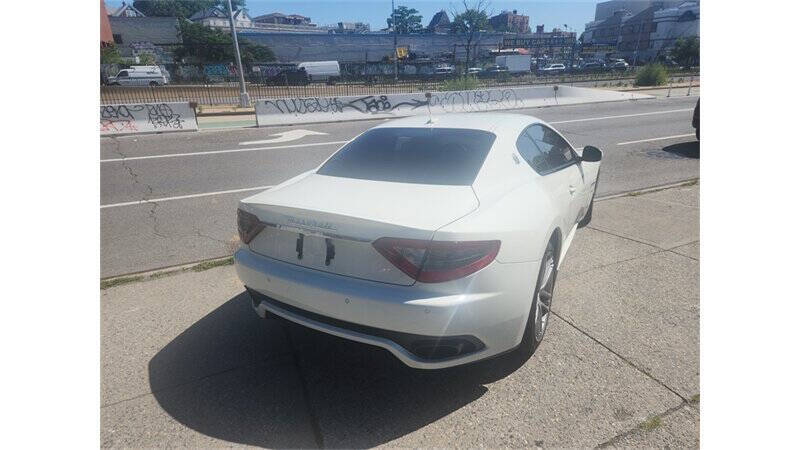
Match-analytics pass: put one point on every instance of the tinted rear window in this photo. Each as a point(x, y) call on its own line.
point(449, 156)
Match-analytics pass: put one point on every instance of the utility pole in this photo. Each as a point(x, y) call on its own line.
point(244, 99)
point(394, 29)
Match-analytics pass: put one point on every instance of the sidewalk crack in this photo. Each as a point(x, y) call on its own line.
point(625, 237)
point(618, 355)
point(624, 434)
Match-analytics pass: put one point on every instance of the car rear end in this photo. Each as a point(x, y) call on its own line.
point(356, 249)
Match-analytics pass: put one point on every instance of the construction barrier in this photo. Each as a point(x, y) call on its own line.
point(146, 118)
point(286, 111)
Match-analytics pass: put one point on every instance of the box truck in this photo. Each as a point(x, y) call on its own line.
point(515, 63)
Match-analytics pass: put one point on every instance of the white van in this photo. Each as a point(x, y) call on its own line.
point(327, 71)
point(139, 76)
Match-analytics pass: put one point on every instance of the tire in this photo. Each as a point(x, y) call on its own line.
point(534, 327)
point(587, 218)
point(153, 83)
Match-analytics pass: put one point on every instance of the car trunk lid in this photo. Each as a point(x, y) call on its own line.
point(329, 223)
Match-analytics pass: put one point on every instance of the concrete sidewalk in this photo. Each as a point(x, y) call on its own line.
point(185, 361)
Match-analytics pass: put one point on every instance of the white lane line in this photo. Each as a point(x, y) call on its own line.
point(657, 139)
point(181, 197)
point(214, 152)
point(623, 116)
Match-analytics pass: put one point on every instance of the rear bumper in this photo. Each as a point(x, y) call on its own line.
point(485, 317)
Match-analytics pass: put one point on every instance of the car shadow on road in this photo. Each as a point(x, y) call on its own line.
point(689, 149)
point(271, 383)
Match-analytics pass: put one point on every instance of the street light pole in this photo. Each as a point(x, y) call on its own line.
point(244, 99)
point(394, 29)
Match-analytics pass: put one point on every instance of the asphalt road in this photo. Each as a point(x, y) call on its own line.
point(144, 226)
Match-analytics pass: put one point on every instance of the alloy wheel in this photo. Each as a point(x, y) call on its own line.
point(544, 297)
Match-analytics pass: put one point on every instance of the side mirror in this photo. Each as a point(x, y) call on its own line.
point(591, 154)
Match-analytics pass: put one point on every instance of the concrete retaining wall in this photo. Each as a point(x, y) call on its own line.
point(146, 118)
point(331, 109)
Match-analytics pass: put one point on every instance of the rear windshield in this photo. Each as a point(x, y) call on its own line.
point(448, 156)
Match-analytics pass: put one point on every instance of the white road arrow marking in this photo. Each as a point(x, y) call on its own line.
point(286, 136)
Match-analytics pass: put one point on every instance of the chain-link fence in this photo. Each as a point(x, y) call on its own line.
point(487, 66)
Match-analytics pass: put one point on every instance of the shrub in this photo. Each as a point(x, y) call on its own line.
point(466, 83)
point(110, 55)
point(652, 75)
point(147, 59)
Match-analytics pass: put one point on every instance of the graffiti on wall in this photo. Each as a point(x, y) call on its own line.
point(457, 101)
point(128, 118)
point(219, 70)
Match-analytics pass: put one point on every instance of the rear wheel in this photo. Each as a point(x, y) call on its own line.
point(539, 315)
point(153, 83)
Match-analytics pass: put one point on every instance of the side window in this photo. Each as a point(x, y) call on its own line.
point(531, 154)
point(555, 150)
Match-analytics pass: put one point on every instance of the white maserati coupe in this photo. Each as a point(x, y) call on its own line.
point(437, 238)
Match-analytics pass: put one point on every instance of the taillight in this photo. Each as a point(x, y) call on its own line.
point(437, 261)
point(248, 224)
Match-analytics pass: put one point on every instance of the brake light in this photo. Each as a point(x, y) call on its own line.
point(437, 261)
point(248, 224)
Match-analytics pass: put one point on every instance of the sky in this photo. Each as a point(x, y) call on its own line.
point(324, 12)
point(574, 13)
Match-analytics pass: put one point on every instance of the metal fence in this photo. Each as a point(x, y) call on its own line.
point(227, 92)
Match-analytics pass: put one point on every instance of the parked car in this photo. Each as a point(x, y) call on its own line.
point(326, 71)
point(444, 70)
point(139, 76)
point(618, 65)
point(293, 76)
point(552, 69)
point(592, 66)
point(422, 236)
point(494, 70)
point(696, 119)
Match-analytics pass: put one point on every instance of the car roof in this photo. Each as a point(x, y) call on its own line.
point(487, 121)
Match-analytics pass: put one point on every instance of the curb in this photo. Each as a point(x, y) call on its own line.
point(661, 187)
point(134, 277)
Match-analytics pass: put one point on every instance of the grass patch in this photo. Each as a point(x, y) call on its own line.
point(105, 284)
point(650, 424)
point(200, 267)
point(211, 264)
point(695, 399)
point(466, 83)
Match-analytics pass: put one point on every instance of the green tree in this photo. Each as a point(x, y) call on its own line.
point(408, 20)
point(468, 23)
point(205, 44)
point(110, 55)
point(147, 59)
point(181, 8)
point(686, 52)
